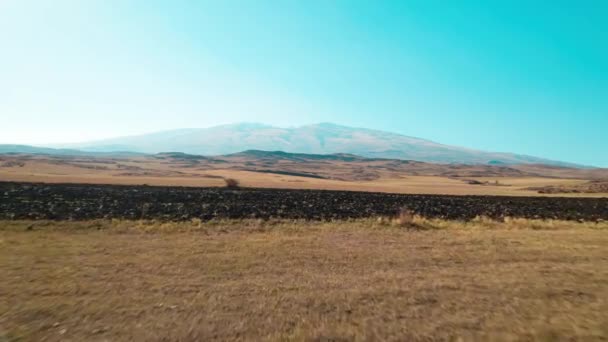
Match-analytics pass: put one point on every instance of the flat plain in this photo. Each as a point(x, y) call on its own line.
point(187, 273)
point(259, 169)
point(296, 280)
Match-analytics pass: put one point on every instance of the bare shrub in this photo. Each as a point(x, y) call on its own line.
point(231, 183)
point(197, 222)
point(405, 218)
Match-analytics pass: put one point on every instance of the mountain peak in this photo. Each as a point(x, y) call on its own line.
point(320, 138)
point(329, 125)
point(245, 125)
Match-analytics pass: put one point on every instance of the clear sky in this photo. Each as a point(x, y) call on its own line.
point(513, 76)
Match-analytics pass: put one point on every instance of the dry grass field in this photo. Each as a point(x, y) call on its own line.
point(377, 176)
point(317, 281)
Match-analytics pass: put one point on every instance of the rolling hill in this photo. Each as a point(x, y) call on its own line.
point(277, 169)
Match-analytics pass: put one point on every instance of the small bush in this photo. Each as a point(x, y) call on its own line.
point(231, 183)
point(405, 217)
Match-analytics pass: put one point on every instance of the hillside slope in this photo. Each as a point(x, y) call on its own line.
point(325, 138)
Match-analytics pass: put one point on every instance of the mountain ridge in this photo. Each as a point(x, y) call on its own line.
point(321, 138)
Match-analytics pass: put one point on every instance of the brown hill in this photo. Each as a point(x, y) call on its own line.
point(256, 168)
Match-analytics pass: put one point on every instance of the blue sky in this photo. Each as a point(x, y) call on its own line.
point(516, 76)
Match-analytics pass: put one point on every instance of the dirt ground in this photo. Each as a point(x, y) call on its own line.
point(280, 280)
point(36, 201)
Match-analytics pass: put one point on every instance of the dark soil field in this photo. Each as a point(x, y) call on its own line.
point(83, 202)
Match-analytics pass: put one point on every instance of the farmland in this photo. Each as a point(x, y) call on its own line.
point(114, 259)
point(81, 202)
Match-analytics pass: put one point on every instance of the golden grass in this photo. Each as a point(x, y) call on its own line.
point(176, 175)
point(372, 279)
point(405, 219)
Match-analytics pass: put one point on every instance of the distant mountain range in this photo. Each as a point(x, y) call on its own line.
point(324, 138)
point(27, 149)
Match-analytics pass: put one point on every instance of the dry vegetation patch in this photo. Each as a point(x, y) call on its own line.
point(284, 170)
point(276, 280)
point(595, 186)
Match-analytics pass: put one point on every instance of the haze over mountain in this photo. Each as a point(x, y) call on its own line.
point(323, 138)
